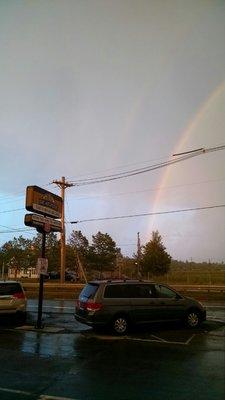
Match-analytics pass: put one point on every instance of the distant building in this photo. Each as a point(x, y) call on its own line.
point(15, 272)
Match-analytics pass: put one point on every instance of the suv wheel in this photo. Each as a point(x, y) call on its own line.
point(120, 325)
point(192, 319)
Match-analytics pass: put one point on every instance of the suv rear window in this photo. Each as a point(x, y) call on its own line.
point(89, 291)
point(10, 288)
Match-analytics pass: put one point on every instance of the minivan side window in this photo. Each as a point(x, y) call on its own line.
point(142, 291)
point(164, 292)
point(116, 291)
point(129, 291)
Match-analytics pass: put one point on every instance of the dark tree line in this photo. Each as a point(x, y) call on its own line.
point(100, 255)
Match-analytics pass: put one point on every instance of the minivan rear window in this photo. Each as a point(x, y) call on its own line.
point(9, 288)
point(89, 290)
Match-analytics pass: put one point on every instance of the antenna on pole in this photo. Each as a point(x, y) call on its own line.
point(138, 255)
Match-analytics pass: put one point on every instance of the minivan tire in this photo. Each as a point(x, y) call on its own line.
point(120, 325)
point(192, 319)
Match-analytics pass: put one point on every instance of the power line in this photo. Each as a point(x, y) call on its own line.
point(9, 227)
point(12, 197)
point(18, 230)
point(126, 174)
point(147, 214)
point(188, 152)
point(8, 196)
point(9, 211)
point(122, 166)
point(147, 190)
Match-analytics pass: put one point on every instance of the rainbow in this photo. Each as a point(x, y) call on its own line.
point(184, 136)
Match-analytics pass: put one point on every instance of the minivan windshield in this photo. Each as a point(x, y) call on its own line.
point(89, 291)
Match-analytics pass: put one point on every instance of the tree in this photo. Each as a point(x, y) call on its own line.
point(103, 252)
point(17, 252)
point(128, 267)
point(79, 243)
point(155, 259)
point(52, 250)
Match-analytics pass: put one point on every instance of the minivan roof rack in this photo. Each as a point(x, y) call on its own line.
point(124, 280)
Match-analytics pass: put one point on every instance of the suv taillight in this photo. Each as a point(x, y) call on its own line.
point(19, 295)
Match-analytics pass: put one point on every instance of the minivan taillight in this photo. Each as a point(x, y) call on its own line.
point(89, 305)
point(92, 306)
point(19, 295)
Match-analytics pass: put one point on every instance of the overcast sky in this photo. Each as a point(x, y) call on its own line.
point(96, 87)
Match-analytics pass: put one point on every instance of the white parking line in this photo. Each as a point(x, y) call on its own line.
point(152, 339)
point(159, 339)
point(42, 397)
point(46, 397)
point(144, 340)
point(162, 341)
point(190, 339)
point(14, 391)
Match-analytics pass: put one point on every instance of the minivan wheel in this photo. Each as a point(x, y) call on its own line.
point(120, 325)
point(192, 319)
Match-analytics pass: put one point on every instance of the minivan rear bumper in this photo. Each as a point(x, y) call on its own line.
point(88, 321)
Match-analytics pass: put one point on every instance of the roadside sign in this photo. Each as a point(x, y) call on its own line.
point(48, 208)
point(42, 223)
point(42, 266)
point(43, 202)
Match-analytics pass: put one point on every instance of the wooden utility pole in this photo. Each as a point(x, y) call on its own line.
point(63, 185)
point(80, 266)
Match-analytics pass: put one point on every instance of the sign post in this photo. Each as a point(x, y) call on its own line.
point(49, 206)
point(39, 324)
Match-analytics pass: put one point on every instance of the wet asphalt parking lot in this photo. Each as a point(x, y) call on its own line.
point(67, 360)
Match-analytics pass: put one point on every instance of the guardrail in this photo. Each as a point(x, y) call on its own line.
point(72, 290)
point(204, 288)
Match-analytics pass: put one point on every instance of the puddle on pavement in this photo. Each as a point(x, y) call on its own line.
point(46, 345)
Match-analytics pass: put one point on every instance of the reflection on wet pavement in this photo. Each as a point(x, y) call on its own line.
point(67, 344)
point(79, 364)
